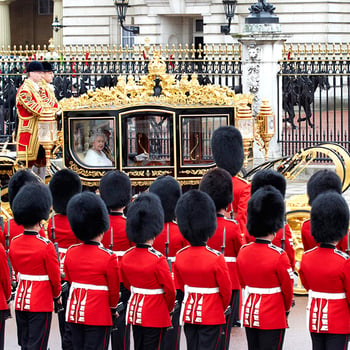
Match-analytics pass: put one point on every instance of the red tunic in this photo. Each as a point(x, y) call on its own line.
point(5, 284)
point(233, 243)
point(16, 230)
point(93, 273)
point(202, 273)
point(308, 241)
point(35, 259)
point(265, 273)
point(146, 273)
point(288, 243)
point(326, 270)
point(47, 93)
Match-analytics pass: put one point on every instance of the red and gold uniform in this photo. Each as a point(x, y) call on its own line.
point(324, 272)
point(35, 261)
point(202, 273)
point(267, 277)
point(308, 241)
point(47, 93)
point(93, 273)
point(288, 243)
point(145, 272)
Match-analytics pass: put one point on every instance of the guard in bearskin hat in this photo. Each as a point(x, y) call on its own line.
point(320, 182)
point(283, 238)
point(17, 181)
point(325, 273)
point(39, 282)
point(217, 183)
point(145, 272)
point(201, 273)
point(227, 147)
point(268, 286)
point(169, 242)
point(63, 186)
point(115, 190)
point(93, 274)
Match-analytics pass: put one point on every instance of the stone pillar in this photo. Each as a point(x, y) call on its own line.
point(57, 12)
point(5, 31)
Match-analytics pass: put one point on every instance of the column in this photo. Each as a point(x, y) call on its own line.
point(58, 12)
point(5, 31)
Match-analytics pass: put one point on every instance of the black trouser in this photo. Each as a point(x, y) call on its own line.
point(4, 314)
point(172, 335)
point(200, 337)
point(148, 338)
point(65, 332)
point(85, 337)
point(265, 339)
point(328, 341)
point(33, 329)
point(120, 335)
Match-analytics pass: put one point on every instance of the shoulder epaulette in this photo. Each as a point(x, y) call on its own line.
point(17, 236)
point(246, 245)
point(105, 249)
point(74, 245)
point(155, 252)
point(242, 179)
point(231, 220)
point(45, 240)
point(182, 249)
point(341, 253)
point(310, 250)
point(211, 250)
point(277, 249)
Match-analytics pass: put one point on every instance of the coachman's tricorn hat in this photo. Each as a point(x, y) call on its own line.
point(227, 148)
point(268, 177)
point(63, 186)
point(217, 183)
point(35, 66)
point(87, 215)
point(18, 180)
point(329, 217)
point(169, 192)
point(265, 212)
point(115, 189)
point(323, 181)
point(196, 217)
point(32, 204)
point(145, 218)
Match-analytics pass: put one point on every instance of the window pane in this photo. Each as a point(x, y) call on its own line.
point(45, 7)
point(93, 142)
point(128, 38)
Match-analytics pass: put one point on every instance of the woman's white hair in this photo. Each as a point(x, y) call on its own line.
point(94, 136)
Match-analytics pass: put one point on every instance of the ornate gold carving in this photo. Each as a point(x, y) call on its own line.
point(200, 172)
point(157, 173)
point(137, 173)
point(84, 172)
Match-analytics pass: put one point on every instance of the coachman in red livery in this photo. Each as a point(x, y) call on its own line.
point(325, 273)
point(265, 273)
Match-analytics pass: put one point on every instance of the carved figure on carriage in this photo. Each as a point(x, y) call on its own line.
point(299, 91)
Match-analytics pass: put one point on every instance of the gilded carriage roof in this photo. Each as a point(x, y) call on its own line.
point(171, 91)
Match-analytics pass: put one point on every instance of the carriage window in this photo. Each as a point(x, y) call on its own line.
point(147, 140)
point(93, 142)
point(196, 132)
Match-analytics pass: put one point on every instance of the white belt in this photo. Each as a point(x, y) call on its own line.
point(230, 259)
point(62, 250)
point(328, 296)
point(76, 285)
point(253, 290)
point(198, 290)
point(171, 258)
point(37, 278)
point(145, 291)
point(119, 252)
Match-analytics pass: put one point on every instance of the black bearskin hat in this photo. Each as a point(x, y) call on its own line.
point(63, 186)
point(48, 67)
point(322, 181)
point(169, 192)
point(217, 183)
point(265, 212)
point(329, 217)
point(196, 217)
point(145, 218)
point(115, 189)
point(87, 215)
point(227, 147)
point(18, 180)
point(35, 66)
point(32, 204)
point(269, 177)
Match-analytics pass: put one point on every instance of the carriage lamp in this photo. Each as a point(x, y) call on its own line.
point(265, 122)
point(47, 132)
point(245, 124)
point(56, 25)
point(121, 7)
point(230, 8)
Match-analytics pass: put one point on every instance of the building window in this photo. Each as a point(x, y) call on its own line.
point(199, 26)
point(128, 38)
point(45, 7)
